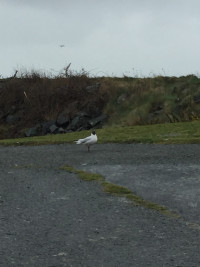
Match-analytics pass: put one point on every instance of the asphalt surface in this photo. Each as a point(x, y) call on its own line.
point(49, 217)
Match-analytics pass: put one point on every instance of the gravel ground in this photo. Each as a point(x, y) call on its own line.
point(51, 218)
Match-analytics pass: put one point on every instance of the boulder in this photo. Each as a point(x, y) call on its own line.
point(63, 119)
point(46, 126)
point(61, 130)
point(97, 120)
point(78, 122)
point(33, 131)
point(53, 128)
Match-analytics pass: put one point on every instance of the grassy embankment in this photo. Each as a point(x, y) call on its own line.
point(153, 100)
point(168, 133)
point(35, 98)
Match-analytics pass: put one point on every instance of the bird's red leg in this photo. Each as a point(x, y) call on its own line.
point(88, 148)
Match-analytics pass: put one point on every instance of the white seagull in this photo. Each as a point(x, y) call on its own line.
point(88, 141)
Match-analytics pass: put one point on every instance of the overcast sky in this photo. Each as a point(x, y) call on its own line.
point(107, 37)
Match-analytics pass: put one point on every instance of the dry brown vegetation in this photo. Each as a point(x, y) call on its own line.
point(36, 98)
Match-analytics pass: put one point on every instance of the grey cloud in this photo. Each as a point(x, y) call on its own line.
point(109, 36)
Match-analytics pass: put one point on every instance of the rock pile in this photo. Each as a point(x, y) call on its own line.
point(80, 107)
point(64, 124)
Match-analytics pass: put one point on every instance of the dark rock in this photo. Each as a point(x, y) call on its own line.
point(33, 131)
point(60, 130)
point(80, 122)
point(74, 123)
point(53, 128)
point(63, 119)
point(98, 120)
point(77, 122)
point(93, 88)
point(46, 126)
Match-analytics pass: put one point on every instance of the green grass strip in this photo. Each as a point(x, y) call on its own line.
point(168, 133)
point(117, 190)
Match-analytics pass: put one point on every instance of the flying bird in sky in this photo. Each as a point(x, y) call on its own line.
point(88, 141)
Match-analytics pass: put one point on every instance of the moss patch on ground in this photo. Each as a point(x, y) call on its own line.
point(117, 190)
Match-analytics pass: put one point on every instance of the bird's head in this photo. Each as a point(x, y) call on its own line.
point(93, 132)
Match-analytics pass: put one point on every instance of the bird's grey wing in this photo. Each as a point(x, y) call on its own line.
point(85, 140)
